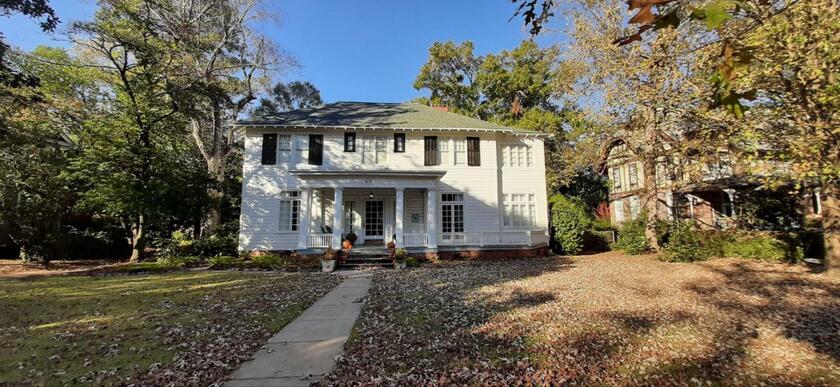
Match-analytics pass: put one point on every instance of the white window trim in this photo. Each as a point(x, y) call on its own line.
point(453, 203)
point(513, 211)
point(519, 155)
point(292, 197)
point(376, 142)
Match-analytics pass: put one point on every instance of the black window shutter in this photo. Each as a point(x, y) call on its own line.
point(349, 142)
point(431, 150)
point(473, 151)
point(399, 142)
point(269, 149)
point(316, 149)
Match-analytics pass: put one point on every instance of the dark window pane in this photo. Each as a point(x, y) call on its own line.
point(269, 149)
point(399, 142)
point(316, 149)
point(350, 142)
point(473, 151)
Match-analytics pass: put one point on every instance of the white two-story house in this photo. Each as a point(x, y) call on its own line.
point(429, 180)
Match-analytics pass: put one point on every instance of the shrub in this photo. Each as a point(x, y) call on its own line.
point(570, 220)
point(763, 247)
point(685, 244)
point(400, 253)
point(267, 261)
point(181, 261)
point(631, 236)
point(412, 262)
point(224, 262)
point(179, 245)
point(329, 254)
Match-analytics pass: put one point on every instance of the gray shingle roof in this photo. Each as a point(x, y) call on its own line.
point(374, 115)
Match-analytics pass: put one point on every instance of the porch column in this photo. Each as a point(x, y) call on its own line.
point(431, 222)
point(338, 217)
point(398, 216)
point(304, 221)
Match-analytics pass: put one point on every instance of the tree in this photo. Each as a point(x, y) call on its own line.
point(36, 9)
point(220, 62)
point(125, 156)
point(285, 97)
point(450, 75)
point(40, 142)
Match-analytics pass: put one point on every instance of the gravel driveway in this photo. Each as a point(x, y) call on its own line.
point(599, 319)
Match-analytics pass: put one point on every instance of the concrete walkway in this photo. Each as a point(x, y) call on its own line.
point(305, 350)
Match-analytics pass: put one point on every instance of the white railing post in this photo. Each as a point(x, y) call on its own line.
point(398, 216)
point(431, 219)
point(303, 221)
point(338, 217)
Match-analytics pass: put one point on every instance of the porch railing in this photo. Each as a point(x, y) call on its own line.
point(320, 240)
point(416, 240)
point(494, 238)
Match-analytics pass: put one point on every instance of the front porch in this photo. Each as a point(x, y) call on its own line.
point(384, 206)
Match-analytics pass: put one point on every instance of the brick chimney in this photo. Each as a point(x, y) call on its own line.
point(442, 108)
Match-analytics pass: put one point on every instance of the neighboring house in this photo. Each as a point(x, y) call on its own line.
point(428, 179)
point(710, 193)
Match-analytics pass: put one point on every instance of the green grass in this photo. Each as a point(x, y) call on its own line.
point(66, 330)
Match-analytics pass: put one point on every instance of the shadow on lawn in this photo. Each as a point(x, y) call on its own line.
point(805, 306)
point(481, 322)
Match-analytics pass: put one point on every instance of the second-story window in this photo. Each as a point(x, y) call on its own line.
point(445, 155)
point(460, 152)
point(633, 175)
point(375, 150)
point(349, 142)
point(316, 149)
point(284, 148)
point(616, 178)
point(519, 156)
point(473, 151)
point(430, 151)
point(399, 142)
point(269, 149)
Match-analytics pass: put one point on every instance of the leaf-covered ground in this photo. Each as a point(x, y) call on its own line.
point(606, 319)
point(184, 328)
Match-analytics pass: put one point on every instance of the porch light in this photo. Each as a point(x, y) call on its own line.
point(370, 195)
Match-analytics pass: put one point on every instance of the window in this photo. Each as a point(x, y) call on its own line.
point(316, 149)
point(635, 207)
point(284, 148)
point(460, 152)
point(519, 156)
point(616, 178)
point(618, 206)
point(430, 151)
point(375, 150)
point(473, 151)
point(633, 175)
point(301, 148)
point(349, 142)
point(452, 212)
point(289, 210)
point(444, 157)
point(269, 149)
point(399, 142)
point(520, 210)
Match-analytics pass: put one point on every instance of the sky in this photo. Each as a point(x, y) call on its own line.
point(352, 50)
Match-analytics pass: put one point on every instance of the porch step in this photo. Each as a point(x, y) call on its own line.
point(364, 258)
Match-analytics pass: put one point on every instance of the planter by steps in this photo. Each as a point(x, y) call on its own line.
point(327, 265)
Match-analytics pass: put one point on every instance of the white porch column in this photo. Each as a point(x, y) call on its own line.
point(338, 217)
point(398, 216)
point(431, 221)
point(304, 217)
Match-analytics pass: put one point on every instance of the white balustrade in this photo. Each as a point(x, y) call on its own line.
point(320, 240)
point(416, 240)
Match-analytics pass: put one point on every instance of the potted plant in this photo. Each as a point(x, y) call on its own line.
point(328, 261)
point(400, 256)
point(349, 240)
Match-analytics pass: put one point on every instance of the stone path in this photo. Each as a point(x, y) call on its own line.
point(305, 350)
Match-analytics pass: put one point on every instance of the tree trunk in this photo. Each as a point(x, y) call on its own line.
point(831, 227)
point(650, 201)
point(138, 239)
point(216, 167)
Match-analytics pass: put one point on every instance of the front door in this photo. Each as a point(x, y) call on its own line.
point(374, 219)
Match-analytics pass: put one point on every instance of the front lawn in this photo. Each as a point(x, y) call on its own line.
point(186, 328)
point(607, 319)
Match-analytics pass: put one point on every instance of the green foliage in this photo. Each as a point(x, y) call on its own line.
point(570, 219)
point(412, 262)
point(631, 236)
point(685, 244)
point(285, 97)
point(224, 262)
point(180, 261)
point(762, 246)
point(182, 246)
point(400, 253)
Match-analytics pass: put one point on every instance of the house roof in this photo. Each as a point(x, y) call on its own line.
point(371, 115)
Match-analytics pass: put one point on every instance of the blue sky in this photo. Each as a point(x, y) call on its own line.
point(352, 49)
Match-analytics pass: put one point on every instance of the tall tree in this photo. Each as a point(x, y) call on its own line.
point(126, 154)
point(222, 62)
point(285, 97)
point(450, 74)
